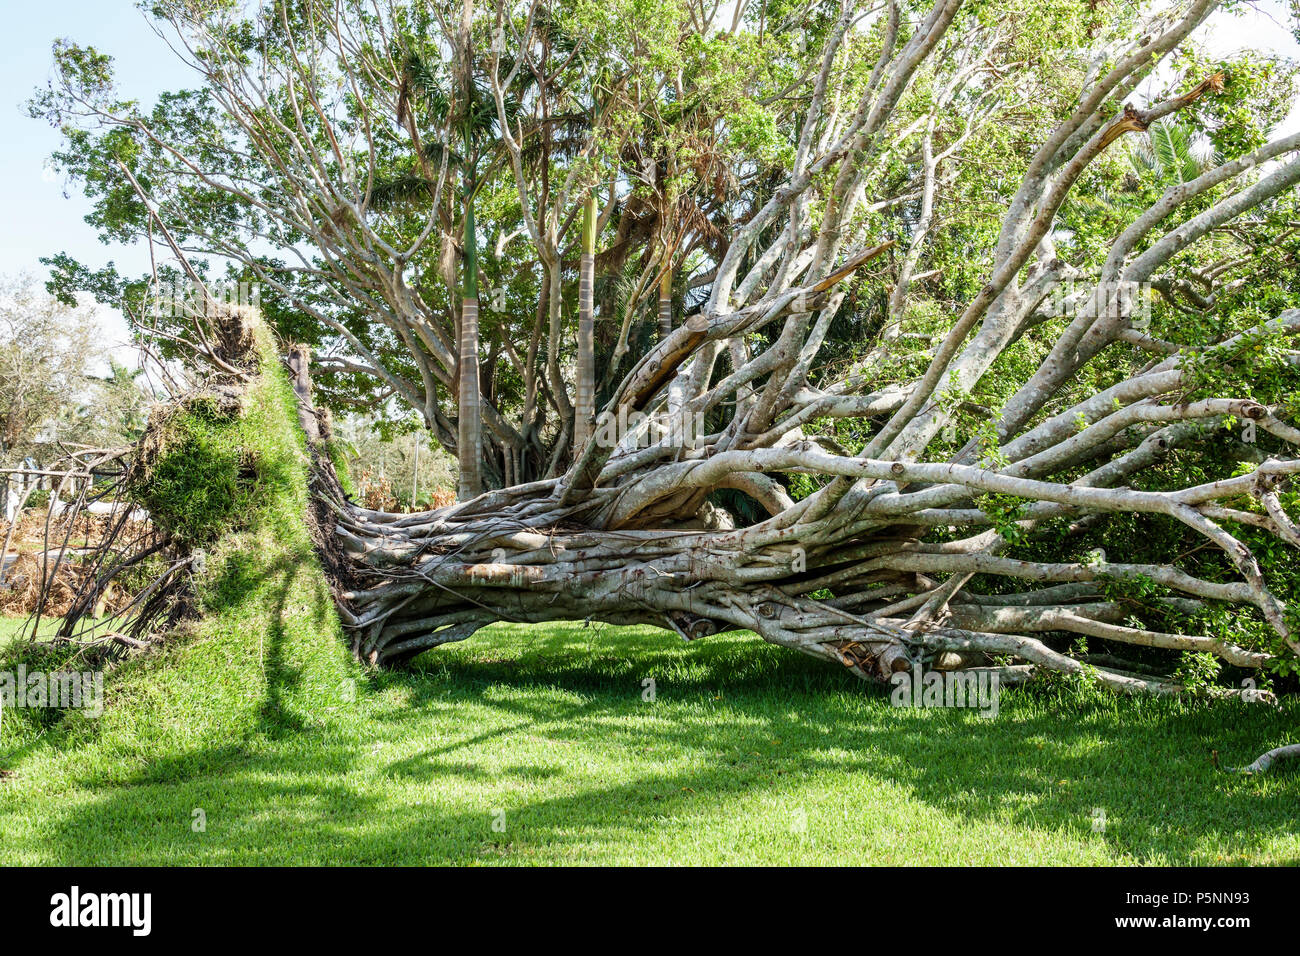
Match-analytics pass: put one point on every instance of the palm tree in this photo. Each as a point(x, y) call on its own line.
point(473, 114)
point(585, 392)
point(469, 438)
point(1169, 151)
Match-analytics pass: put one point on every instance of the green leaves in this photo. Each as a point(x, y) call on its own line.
point(1004, 511)
point(1171, 153)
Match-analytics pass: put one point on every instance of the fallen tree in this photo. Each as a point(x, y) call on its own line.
point(527, 554)
point(894, 507)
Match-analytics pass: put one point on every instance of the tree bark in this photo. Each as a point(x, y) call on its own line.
point(469, 433)
point(666, 302)
point(469, 426)
point(584, 409)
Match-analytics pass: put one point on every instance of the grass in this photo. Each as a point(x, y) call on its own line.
point(747, 754)
point(254, 739)
point(11, 629)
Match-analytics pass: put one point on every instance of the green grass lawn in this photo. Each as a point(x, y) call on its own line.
point(747, 754)
point(11, 628)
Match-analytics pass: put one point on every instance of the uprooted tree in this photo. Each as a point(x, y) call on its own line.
point(957, 334)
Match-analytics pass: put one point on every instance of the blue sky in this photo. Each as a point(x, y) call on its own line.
point(38, 220)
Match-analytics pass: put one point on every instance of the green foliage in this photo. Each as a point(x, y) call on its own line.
point(38, 498)
point(1074, 692)
point(203, 479)
point(1137, 589)
point(1170, 153)
point(1004, 511)
point(1259, 367)
point(800, 486)
point(1197, 671)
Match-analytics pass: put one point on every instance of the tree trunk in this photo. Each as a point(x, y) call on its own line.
point(866, 594)
point(469, 437)
point(469, 446)
point(585, 390)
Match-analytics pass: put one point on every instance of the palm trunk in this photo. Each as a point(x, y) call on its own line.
point(585, 398)
point(469, 439)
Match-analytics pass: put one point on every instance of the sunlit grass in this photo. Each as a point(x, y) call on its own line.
point(14, 628)
point(538, 745)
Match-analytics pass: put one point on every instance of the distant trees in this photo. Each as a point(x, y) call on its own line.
point(396, 461)
point(58, 385)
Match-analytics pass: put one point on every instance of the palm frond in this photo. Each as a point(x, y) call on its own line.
point(403, 189)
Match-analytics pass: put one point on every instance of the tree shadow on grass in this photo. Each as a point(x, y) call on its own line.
point(554, 742)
